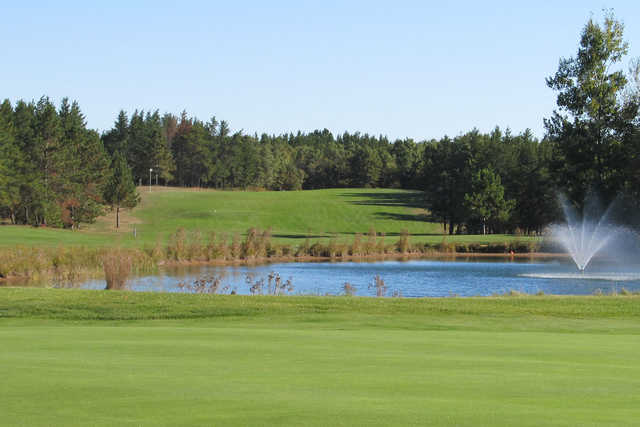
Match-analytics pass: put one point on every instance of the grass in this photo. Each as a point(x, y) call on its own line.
point(292, 216)
point(72, 357)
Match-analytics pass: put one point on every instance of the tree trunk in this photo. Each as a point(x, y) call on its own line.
point(117, 217)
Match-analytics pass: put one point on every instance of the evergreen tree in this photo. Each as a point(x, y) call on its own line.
point(11, 163)
point(161, 160)
point(120, 190)
point(486, 201)
point(117, 139)
point(49, 161)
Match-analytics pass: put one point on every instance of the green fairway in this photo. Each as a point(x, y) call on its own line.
point(292, 216)
point(121, 358)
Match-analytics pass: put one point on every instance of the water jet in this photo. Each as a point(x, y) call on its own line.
point(587, 233)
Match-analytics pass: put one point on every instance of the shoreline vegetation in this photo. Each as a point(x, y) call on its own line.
point(70, 264)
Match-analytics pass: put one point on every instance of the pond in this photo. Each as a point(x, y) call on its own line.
point(416, 278)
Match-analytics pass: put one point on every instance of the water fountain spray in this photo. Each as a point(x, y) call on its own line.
point(583, 236)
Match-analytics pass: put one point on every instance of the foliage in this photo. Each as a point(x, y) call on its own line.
point(453, 181)
point(594, 129)
point(120, 191)
point(53, 168)
point(486, 202)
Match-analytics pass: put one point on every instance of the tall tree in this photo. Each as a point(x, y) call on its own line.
point(158, 146)
point(49, 159)
point(589, 128)
point(486, 201)
point(117, 139)
point(120, 190)
point(11, 163)
point(446, 180)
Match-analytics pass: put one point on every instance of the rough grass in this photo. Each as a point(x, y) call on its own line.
point(73, 304)
point(292, 217)
point(69, 357)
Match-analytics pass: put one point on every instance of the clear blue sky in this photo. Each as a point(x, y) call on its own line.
point(403, 69)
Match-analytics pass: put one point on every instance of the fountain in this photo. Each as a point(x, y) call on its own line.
point(596, 232)
point(583, 236)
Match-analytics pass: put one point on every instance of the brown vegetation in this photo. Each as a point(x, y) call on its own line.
point(69, 264)
point(117, 268)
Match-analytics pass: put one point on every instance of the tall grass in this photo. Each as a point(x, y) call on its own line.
point(211, 284)
point(378, 286)
point(272, 285)
point(117, 268)
point(69, 264)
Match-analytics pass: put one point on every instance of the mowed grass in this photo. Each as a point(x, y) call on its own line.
point(73, 357)
point(292, 216)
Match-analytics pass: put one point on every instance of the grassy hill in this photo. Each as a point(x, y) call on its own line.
point(292, 217)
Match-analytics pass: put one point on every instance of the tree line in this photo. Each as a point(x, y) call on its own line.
point(56, 172)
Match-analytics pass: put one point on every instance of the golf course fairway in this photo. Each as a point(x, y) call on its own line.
point(71, 357)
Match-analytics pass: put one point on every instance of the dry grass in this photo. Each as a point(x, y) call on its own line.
point(379, 286)
point(117, 268)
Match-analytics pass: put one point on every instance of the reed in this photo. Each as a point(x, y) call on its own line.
point(117, 266)
point(402, 245)
point(378, 286)
point(348, 289)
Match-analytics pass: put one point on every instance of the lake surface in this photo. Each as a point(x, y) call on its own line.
point(422, 278)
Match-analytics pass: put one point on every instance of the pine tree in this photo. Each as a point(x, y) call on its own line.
point(161, 159)
point(11, 163)
point(486, 200)
point(120, 190)
point(117, 139)
point(49, 161)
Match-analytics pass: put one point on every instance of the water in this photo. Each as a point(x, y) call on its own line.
point(591, 232)
point(424, 278)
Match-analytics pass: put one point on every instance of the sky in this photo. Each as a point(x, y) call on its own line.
point(402, 69)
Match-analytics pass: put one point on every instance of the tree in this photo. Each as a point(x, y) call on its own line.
point(590, 128)
point(120, 190)
point(158, 147)
point(446, 177)
point(486, 201)
point(84, 168)
point(117, 138)
point(49, 160)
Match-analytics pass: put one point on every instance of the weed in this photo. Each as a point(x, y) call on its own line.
point(211, 284)
point(348, 289)
point(379, 286)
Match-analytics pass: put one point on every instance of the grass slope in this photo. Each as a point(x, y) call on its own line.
point(292, 217)
point(69, 358)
